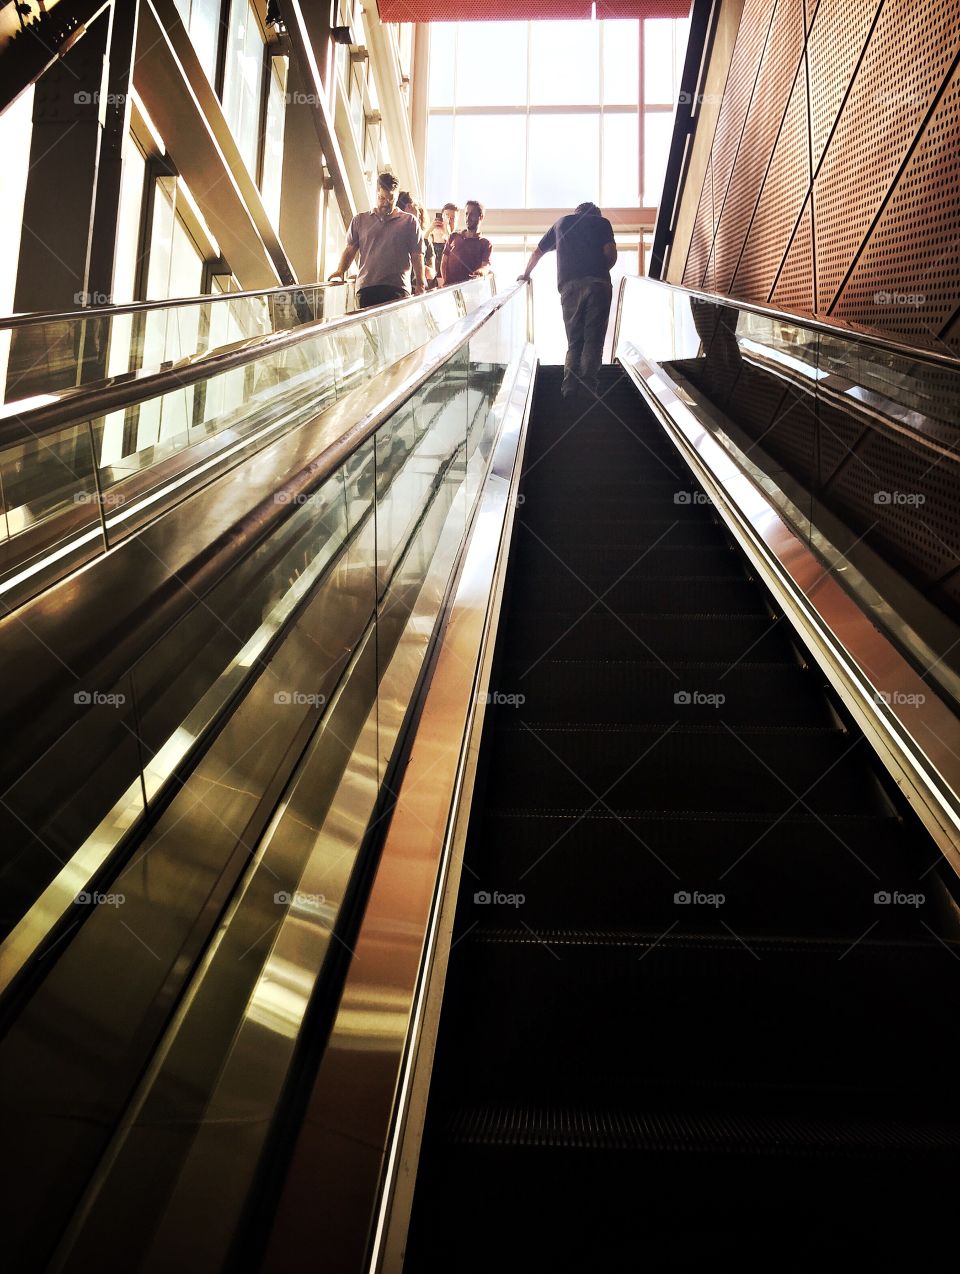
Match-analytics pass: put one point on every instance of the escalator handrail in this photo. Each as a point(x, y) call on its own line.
point(835, 327)
point(91, 313)
point(79, 405)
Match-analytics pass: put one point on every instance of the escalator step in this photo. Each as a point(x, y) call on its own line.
point(683, 638)
point(596, 867)
point(647, 770)
point(702, 1131)
point(568, 1210)
point(599, 566)
point(602, 533)
point(601, 692)
point(561, 590)
point(552, 1015)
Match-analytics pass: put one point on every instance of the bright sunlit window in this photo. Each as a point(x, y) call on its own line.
point(546, 114)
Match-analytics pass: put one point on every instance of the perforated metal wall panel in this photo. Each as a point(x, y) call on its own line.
point(793, 289)
point(701, 241)
point(881, 134)
point(784, 188)
point(906, 60)
point(836, 40)
point(905, 279)
point(778, 70)
point(740, 84)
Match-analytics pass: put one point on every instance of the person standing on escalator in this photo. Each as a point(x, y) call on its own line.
point(586, 253)
point(390, 246)
point(467, 254)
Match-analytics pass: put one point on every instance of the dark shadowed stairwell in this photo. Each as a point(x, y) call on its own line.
point(703, 1039)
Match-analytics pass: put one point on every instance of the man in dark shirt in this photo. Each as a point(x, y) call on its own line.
point(586, 253)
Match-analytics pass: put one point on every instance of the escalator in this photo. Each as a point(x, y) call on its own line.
point(440, 840)
point(202, 717)
point(701, 1004)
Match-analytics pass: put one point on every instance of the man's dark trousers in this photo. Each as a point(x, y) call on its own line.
point(586, 311)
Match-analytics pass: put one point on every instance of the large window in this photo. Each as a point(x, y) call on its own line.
point(202, 20)
point(273, 137)
point(547, 114)
point(243, 80)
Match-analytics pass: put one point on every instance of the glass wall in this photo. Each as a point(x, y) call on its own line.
point(16, 130)
point(202, 20)
point(547, 114)
point(273, 137)
point(243, 80)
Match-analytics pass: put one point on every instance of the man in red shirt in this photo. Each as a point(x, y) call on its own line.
point(466, 255)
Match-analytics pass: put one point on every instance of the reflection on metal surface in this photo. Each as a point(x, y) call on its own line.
point(347, 1142)
point(909, 726)
point(226, 1056)
point(125, 450)
point(152, 586)
point(862, 441)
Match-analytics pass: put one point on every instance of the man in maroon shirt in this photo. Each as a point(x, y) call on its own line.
point(466, 255)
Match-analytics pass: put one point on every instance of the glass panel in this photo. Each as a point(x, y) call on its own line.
point(854, 443)
point(564, 64)
point(156, 446)
point(421, 512)
point(490, 158)
point(161, 238)
point(658, 131)
point(443, 43)
point(273, 138)
point(621, 63)
point(243, 80)
point(440, 161)
point(202, 20)
point(243, 1003)
point(621, 161)
point(491, 64)
point(556, 181)
point(658, 62)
